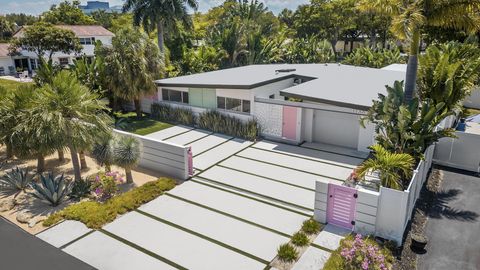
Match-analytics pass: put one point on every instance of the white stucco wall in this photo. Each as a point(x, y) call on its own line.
point(473, 101)
point(5, 62)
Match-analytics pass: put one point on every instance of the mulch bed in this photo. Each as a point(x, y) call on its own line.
point(406, 259)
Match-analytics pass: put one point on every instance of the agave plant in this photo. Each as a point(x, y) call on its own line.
point(81, 189)
point(15, 180)
point(52, 189)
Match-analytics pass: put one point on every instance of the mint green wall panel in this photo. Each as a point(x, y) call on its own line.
point(195, 97)
point(209, 98)
point(204, 98)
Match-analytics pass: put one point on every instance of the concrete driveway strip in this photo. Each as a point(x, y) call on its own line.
point(282, 174)
point(328, 170)
point(209, 142)
point(329, 157)
point(106, 253)
point(251, 239)
point(186, 138)
point(219, 153)
point(282, 192)
point(260, 213)
point(168, 132)
point(313, 259)
point(183, 248)
point(63, 233)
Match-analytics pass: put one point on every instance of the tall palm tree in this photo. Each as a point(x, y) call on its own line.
point(410, 17)
point(127, 152)
point(160, 14)
point(75, 112)
point(391, 167)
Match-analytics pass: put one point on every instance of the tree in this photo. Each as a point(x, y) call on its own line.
point(127, 152)
point(102, 151)
point(309, 50)
point(67, 13)
point(160, 15)
point(391, 167)
point(368, 57)
point(21, 19)
point(411, 17)
point(6, 27)
point(131, 65)
point(46, 39)
point(74, 111)
point(448, 73)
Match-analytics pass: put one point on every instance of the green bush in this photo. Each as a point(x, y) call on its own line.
point(94, 214)
point(310, 226)
point(300, 239)
point(375, 58)
point(81, 189)
point(221, 123)
point(167, 113)
point(287, 253)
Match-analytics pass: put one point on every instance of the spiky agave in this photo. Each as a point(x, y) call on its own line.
point(52, 189)
point(15, 180)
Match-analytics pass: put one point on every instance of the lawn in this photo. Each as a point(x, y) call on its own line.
point(140, 126)
point(9, 84)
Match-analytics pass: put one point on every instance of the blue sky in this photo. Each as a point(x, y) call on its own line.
point(38, 6)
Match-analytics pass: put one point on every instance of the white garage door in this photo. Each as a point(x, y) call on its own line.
point(336, 128)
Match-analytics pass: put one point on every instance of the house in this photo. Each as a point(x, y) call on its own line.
point(294, 103)
point(93, 6)
point(87, 35)
point(6, 60)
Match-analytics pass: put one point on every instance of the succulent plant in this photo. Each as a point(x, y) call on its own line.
point(81, 189)
point(52, 189)
point(15, 180)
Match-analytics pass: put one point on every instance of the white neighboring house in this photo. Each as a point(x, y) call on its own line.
point(294, 103)
point(87, 34)
point(6, 61)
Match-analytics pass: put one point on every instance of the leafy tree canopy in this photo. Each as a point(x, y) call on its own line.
point(67, 13)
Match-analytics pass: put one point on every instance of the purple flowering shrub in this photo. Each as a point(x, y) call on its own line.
point(105, 185)
point(360, 253)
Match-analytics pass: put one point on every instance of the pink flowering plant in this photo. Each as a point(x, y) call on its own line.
point(105, 185)
point(364, 253)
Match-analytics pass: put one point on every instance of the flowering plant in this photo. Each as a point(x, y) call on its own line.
point(104, 185)
point(362, 254)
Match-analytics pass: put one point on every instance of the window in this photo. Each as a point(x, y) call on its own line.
point(63, 61)
point(87, 41)
point(174, 96)
point(33, 63)
point(233, 104)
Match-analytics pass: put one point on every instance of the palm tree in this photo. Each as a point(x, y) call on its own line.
point(126, 154)
point(410, 17)
point(391, 167)
point(102, 152)
point(73, 110)
point(160, 14)
point(131, 66)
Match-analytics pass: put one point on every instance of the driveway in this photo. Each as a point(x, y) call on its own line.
point(244, 200)
point(453, 226)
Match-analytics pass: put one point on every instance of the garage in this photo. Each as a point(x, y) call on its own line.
point(336, 128)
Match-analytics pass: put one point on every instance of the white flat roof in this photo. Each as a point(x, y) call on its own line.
point(340, 85)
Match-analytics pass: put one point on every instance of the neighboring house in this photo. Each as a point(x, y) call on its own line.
point(6, 61)
point(87, 34)
point(93, 6)
point(293, 103)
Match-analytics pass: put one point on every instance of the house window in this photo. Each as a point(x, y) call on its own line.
point(233, 104)
point(87, 41)
point(63, 61)
point(174, 96)
point(33, 63)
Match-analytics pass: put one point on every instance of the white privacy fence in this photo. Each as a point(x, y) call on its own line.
point(462, 152)
point(161, 156)
point(385, 213)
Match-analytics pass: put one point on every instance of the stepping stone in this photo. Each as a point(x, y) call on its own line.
point(168, 132)
point(186, 138)
point(219, 153)
point(207, 143)
point(330, 237)
point(313, 259)
point(63, 233)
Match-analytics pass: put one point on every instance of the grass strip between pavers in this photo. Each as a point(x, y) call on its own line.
point(331, 152)
point(282, 166)
point(320, 247)
point(173, 136)
point(306, 157)
point(228, 215)
point(233, 154)
point(187, 143)
point(254, 193)
point(204, 151)
point(76, 239)
point(266, 177)
point(251, 256)
point(143, 250)
point(251, 198)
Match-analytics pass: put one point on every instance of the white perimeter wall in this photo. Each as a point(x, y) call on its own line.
point(473, 101)
point(462, 152)
point(161, 156)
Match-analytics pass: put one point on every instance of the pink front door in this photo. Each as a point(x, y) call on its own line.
point(289, 128)
point(341, 206)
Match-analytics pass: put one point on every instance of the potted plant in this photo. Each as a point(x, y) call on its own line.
point(419, 241)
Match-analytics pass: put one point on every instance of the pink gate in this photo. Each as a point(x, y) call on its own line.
point(341, 206)
point(190, 161)
point(289, 129)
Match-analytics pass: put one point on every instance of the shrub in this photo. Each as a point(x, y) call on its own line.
point(52, 189)
point(104, 185)
point(15, 180)
point(94, 214)
point(356, 252)
point(287, 253)
point(81, 189)
point(221, 123)
point(375, 58)
point(310, 226)
point(300, 239)
point(167, 113)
